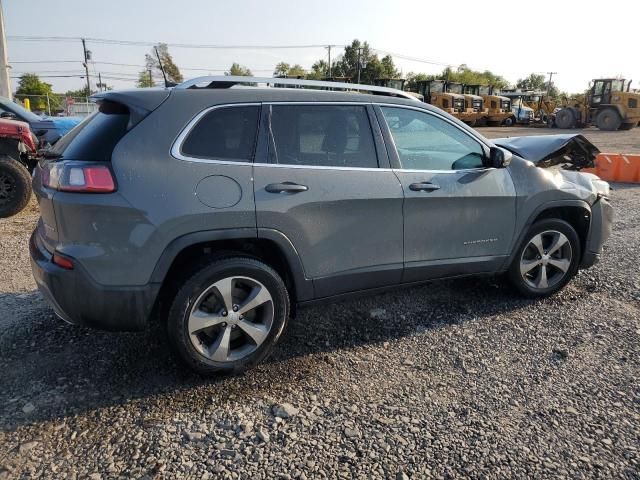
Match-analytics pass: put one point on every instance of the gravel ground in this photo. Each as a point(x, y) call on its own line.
point(452, 379)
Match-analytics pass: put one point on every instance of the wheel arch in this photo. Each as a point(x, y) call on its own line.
point(576, 213)
point(269, 246)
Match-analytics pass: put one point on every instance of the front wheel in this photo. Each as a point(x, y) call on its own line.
point(15, 186)
point(608, 119)
point(228, 315)
point(547, 259)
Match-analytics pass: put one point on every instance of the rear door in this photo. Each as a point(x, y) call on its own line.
point(329, 189)
point(459, 217)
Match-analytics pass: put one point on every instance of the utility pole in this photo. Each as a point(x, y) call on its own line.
point(329, 50)
point(5, 81)
point(551, 74)
point(150, 78)
point(87, 57)
point(100, 81)
point(359, 51)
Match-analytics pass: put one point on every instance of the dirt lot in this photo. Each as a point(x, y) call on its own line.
point(608, 142)
point(452, 379)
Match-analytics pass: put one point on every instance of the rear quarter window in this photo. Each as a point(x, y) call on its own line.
point(225, 133)
point(96, 136)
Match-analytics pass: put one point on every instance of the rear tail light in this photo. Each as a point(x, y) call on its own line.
point(62, 262)
point(78, 177)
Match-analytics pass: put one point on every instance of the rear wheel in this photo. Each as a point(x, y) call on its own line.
point(608, 119)
point(565, 118)
point(509, 122)
point(15, 186)
point(228, 316)
point(547, 258)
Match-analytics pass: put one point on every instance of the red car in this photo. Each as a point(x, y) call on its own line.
point(18, 147)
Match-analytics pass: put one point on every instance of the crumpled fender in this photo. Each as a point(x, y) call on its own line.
point(571, 151)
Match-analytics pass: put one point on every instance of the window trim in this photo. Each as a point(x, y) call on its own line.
point(378, 143)
point(394, 157)
point(176, 147)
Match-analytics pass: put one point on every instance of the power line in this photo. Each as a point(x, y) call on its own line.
point(33, 38)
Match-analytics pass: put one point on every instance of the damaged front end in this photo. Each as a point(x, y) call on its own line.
point(569, 151)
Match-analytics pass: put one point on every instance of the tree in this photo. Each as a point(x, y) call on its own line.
point(319, 70)
point(30, 86)
point(239, 71)
point(80, 93)
point(145, 79)
point(285, 70)
point(536, 81)
point(346, 65)
point(170, 69)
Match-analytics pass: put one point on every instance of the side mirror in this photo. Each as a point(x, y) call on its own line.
point(498, 158)
point(9, 115)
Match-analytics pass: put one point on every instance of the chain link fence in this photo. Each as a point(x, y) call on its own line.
point(57, 105)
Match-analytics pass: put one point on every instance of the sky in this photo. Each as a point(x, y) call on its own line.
point(512, 38)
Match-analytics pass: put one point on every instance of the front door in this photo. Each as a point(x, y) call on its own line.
point(330, 191)
point(459, 217)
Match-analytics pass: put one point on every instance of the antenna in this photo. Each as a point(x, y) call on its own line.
point(166, 84)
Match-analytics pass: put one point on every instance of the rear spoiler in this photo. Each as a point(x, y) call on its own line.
point(139, 103)
point(571, 151)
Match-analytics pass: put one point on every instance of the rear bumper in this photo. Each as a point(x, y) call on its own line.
point(78, 299)
point(599, 232)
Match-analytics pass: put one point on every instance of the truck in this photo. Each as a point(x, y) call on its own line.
point(610, 105)
point(498, 108)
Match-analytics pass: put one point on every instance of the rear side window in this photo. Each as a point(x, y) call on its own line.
point(227, 133)
point(96, 136)
point(323, 135)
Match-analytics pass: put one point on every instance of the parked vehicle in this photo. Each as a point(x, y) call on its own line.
point(435, 93)
point(498, 107)
point(475, 113)
point(50, 129)
point(610, 104)
point(522, 114)
point(17, 159)
point(220, 210)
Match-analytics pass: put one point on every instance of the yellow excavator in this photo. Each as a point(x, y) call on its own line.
point(610, 104)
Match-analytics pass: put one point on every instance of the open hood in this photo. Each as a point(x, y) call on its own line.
point(571, 151)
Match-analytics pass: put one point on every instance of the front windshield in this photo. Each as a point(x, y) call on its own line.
point(397, 84)
point(617, 86)
point(437, 87)
point(484, 90)
point(20, 111)
point(455, 88)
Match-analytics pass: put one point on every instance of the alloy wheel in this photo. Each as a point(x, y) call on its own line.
point(231, 319)
point(546, 259)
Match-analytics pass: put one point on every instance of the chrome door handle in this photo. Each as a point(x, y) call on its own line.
point(424, 187)
point(286, 187)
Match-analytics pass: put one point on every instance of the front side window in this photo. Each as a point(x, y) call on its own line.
point(323, 135)
point(227, 133)
point(426, 142)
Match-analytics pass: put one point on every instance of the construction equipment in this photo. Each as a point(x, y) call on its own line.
point(609, 104)
point(520, 112)
point(435, 93)
point(397, 83)
point(475, 111)
point(498, 108)
point(17, 160)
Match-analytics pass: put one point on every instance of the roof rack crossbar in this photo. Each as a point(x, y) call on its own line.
point(228, 81)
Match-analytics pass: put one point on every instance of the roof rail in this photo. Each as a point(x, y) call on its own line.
point(231, 80)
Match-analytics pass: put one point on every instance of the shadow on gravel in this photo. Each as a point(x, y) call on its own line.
point(50, 370)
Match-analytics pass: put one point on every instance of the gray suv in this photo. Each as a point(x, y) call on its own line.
point(219, 205)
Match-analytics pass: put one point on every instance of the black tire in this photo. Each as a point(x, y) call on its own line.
point(509, 122)
point(608, 119)
point(543, 227)
point(627, 126)
point(196, 283)
point(15, 186)
point(565, 118)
